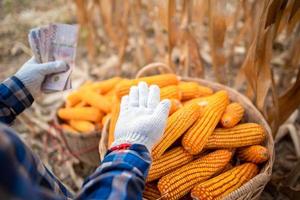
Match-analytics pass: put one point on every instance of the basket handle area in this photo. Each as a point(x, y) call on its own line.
point(156, 65)
point(103, 143)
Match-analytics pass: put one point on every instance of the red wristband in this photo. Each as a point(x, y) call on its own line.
point(121, 147)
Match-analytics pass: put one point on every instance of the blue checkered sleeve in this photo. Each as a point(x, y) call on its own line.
point(14, 98)
point(121, 175)
point(22, 174)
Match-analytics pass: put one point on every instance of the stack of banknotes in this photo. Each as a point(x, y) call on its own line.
point(51, 43)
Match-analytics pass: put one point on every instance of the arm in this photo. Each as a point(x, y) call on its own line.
point(17, 92)
point(22, 174)
point(121, 175)
point(14, 98)
point(140, 125)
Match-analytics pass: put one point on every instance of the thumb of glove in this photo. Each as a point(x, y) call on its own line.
point(53, 67)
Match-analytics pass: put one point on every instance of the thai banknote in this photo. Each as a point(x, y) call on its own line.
point(55, 42)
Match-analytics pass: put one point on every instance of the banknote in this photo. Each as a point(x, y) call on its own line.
point(34, 45)
point(51, 43)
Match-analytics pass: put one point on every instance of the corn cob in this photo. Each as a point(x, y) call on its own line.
point(170, 92)
point(68, 128)
point(196, 137)
point(204, 91)
point(179, 182)
point(96, 100)
point(113, 120)
point(189, 90)
point(82, 126)
point(82, 113)
point(111, 93)
point(168, 162)
point(161, 80)
point(175, 105)
point(73, 99)
point(106, 85)
point(220, 186)
point(232, 115)
point(201, 101)
point(228, 167)
point(256, 154)
point(81, 104)
point(239, 136)
point(177, 124)
point(151, 192)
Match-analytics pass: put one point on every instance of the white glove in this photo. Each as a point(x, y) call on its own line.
point(142, 117)
point(32, 74)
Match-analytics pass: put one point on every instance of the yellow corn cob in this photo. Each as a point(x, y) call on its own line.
point(113, 120)
point(239, 136)
point(228, 167)
point(151, 192)
point(111, 93)
point(68, 128)
point(161, 80)
point(256, 154)
point(168, 162)
point(189, 90)
point(81, 113)
point(196, 137)
point(201, 101)
point(175, 105)
point(179, 182)
point(232, 115)
point(81, 104)
point(96, 100)
point(177, 124)
point(73, 99)
point(109, 97)
point(82, 126)
point(220, 186)
point(170, 92)
point(205, 91)
point(106, 85)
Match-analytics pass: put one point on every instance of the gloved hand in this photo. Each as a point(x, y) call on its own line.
point(32, 74)
point(142, 117)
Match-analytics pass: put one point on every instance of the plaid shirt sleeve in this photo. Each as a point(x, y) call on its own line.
point(14, 98)
point(23, 175)
point(121, 175)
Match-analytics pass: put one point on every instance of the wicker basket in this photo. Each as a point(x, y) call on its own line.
point(82, 146)
point(253, 188)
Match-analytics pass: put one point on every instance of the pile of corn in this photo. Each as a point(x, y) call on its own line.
point(88, 108)
point(205, 153)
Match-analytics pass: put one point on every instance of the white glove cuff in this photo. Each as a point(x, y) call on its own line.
point(134, 138)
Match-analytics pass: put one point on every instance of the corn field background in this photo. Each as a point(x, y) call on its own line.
point(250, 45)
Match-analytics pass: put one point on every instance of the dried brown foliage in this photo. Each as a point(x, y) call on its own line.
point(236, 40)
